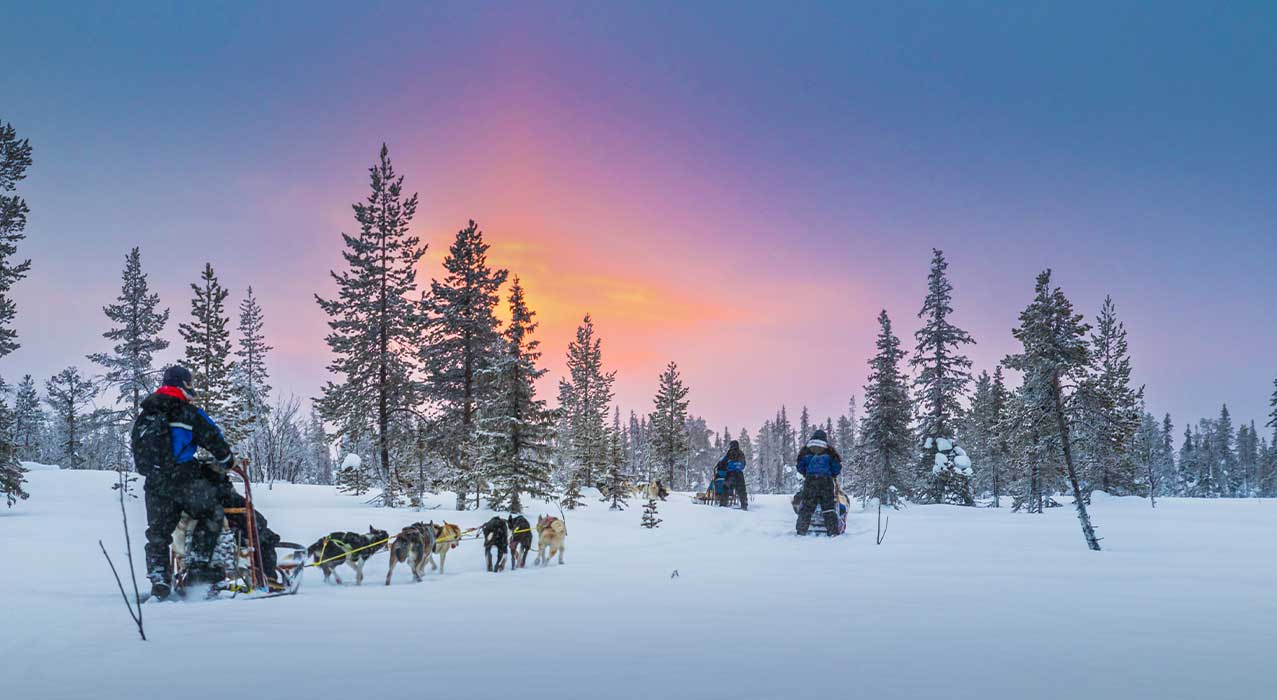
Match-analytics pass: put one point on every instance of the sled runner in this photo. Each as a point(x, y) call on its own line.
point(237, 554)
point(817, 526)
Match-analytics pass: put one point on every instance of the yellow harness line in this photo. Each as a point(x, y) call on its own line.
point(348, 550)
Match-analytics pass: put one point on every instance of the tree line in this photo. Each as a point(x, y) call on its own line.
point(432, 392)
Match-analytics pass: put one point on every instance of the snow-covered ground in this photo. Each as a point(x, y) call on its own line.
point(957, 603)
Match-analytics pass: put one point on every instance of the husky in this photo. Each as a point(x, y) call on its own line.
point(329, 550)
point(412, 545)
point(551, 533)
point(520, 541)
point(496, 535)
point(447, 536)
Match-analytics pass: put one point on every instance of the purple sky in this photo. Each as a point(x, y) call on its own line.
point(739, 187)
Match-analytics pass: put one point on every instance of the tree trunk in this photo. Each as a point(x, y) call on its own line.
point(1088, 530)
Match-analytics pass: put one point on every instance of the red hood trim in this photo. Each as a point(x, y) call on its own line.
point(173, 391)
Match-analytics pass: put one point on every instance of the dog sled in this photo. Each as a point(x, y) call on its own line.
point(817, 526)
point(238, 554)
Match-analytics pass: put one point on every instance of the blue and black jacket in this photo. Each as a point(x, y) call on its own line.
point(819, 461)
point(189, 426)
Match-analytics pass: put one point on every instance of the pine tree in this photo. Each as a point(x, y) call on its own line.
point(668, 422)
point(1170, 481)
point(28, 420)
point(1109, 411)
point(1272, 416)
point(649, 515)
point(1055, 354)
point(943, 376)
point(1247, 460)
point(618, 484)
point(585, 396)
point(886, 441)
point(250, 378)
point(374, 321)
point(136, 334)
point(514, 425)
point(319, 461)
point(68, 393)
point(1223, 448)
point(11, 470)
point(353, 478)
point(208, 349)
point(572, 496)
point(15, 158)
point(804, 425)
point(461, 345)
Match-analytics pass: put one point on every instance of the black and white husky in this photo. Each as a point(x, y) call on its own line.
point(356, 547)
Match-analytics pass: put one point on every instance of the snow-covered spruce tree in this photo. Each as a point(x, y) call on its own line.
point(1247, 460)
point(585, 396)
point(28, 420)
point(886, 440)
point(373, 322)
point(353, 476)
point(15, 158)
point(208, 350)
point(1146, 447)
point(845, 433)
point(1053, 362)
point(618, 483)
point(649, 515)
point(462, 342)
point(698, 464)
point(1169, 480)
point(11, 471)
point(804, 425)
point(943, 375)
point(515, 427)
point(68, 393)
point(1109, 412)
point(250, 380)
point(668, 422)
point(318, 465)
point(980, 433)
point(1214, 460)
point(138, 323)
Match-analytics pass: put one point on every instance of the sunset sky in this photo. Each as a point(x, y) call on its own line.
point(739, 187)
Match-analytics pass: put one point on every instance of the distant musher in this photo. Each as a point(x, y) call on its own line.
point(732, 470)
point(819, 464)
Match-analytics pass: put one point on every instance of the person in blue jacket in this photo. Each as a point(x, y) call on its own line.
point(731, 469)
point(819, 464)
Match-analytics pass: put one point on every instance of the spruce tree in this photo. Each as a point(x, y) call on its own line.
point(649, 515)
point(250, 379)
point(668, 422)
point(28, 420)
point(15, 158)
point(461, 345)
point(515, 427)
point(585, 396)
point(11, 472)
point(618, 484)
point(886, 441)
point(1223, 448)
point(373, 322)
point(1109, 411)
point(319, 461)
point(943, 375)
point(208, 350)
point(68, 393)
point(138, 323)
point(1054, 359)
point(1170, 481)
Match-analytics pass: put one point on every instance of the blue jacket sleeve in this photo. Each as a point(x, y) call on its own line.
point(837, 467)
point(802, 464)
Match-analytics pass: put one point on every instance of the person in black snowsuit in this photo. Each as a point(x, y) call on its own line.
point(176, 482)
point(731, 468)
point(819, 464)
